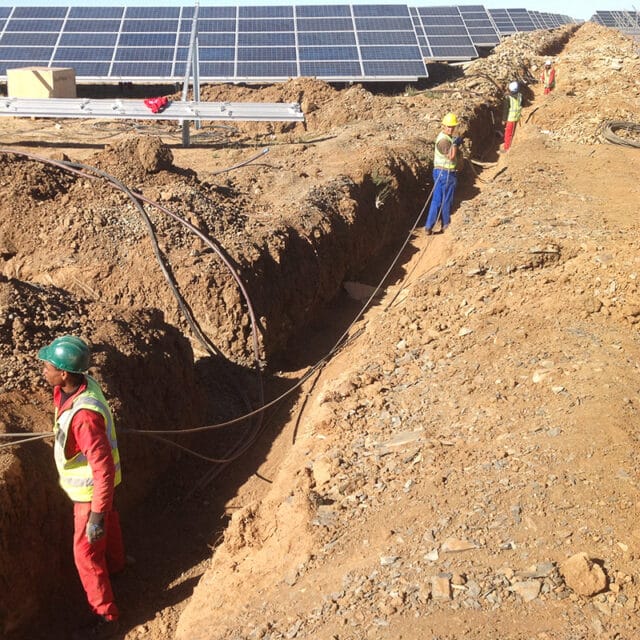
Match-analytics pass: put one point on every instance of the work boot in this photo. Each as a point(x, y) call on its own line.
point(99, 629)
point(428, 231)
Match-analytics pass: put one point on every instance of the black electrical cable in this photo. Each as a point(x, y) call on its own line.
point(611, 126)
point(243, 163)
point(343, 340)
point(135, 197)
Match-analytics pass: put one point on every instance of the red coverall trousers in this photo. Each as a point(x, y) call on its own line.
point(96, 561)
point(509, 132)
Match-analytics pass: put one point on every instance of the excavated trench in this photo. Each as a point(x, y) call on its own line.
point(291, 273)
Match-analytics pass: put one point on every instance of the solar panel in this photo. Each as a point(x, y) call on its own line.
point(626, 21)
point(93, 40)
point(326, 69)
point(443, 34)
point(328, 53)
point(13, 54)
point(387, 37)
point(92, 26)
point(266, 25)
point(252, 70)
point(382, 69)
point(254, 43)
point(152, 13)
point(95, 13)
point(28, 39)
point(521, 19)
point(34, 25)
point(502, 22)
point(280, 39)
point(205, 13)
point(40, 13)
point(325, 24)
point(479, 25)
point(265, 12)
point(323, 11)
point(311, 39)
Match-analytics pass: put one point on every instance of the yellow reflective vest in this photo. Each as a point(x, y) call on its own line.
point(515, 108)
point(76, 477)
point(441, 161)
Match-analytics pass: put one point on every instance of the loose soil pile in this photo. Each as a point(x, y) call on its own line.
point(477, 431)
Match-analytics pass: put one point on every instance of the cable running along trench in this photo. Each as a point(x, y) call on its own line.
point(137, 199)
point(240, 448)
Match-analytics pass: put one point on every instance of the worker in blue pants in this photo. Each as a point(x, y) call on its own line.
point(446, 157)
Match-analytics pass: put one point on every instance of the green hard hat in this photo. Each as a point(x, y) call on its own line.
point(67, 353)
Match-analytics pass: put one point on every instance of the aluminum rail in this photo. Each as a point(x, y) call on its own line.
point(137, 110)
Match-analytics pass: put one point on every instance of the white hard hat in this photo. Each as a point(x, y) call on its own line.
point(547, 63)
point(513, 86)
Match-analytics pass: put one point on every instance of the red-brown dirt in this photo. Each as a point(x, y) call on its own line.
point(478, 428)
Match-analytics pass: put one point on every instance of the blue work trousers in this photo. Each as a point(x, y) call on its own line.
point(445, 186)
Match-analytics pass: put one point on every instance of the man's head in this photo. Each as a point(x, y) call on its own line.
point(513, 87)
point(450, 122)
point(65, 360)
point(547, 63)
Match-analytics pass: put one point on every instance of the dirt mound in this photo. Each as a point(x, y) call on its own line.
point(27, 183)
point(132, 160)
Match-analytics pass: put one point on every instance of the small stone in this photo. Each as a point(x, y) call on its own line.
point(431, 556)
point(527, 590)
point(582, 575)
point(441, 587)
point(452, 545)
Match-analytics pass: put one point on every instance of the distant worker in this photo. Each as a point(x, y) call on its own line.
point(548, 77)
point(88, 463)
point(511, 112)
point(446, 158)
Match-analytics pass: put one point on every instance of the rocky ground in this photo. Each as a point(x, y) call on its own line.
point(464, 466)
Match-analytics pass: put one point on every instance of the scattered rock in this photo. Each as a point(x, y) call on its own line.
point(582, 575)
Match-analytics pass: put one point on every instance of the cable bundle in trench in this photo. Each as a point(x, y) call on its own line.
point(611, 126)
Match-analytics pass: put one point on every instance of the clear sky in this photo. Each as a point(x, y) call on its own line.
point(578, 9)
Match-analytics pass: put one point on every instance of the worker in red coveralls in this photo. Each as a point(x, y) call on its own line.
point(88, 463)
point(511, 112)
point(548, 77)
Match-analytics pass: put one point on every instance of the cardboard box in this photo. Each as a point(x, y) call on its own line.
point(41, 82)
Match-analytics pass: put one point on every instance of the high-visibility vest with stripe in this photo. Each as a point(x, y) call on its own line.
point(549, 77)
point(75, 473)
point(515, 108)
point(440, 161)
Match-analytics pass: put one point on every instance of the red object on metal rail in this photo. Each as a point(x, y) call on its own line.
point(156, 104)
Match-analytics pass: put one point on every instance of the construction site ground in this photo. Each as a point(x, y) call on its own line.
point(464, 465)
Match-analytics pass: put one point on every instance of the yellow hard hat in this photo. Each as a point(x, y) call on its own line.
point(450, 120)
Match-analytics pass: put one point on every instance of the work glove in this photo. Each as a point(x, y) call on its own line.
point(457, 141)
point(95, 527)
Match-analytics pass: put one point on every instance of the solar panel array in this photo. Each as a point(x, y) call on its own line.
point(510, 21)
point(253, 43)
point(626, 21)
point(481, 29)
point(442, 34)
